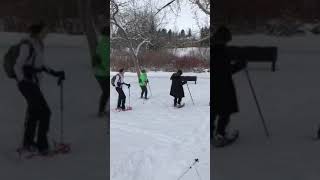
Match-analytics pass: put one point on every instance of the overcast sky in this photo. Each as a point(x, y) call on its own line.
point(183, 19)
point(186, 18)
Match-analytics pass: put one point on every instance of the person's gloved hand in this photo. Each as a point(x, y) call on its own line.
point(147, 81)
point(61, 76)
point(244, 64)
point(128, 85)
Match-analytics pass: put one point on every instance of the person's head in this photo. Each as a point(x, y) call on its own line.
point(222, 35)
point(38, 31)
point(143, 71)
point(179, 72)
point(121, 71)
point(105, 31)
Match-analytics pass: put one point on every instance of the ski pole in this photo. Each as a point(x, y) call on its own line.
point(257, 104)
point(61, 112)
point(150, 90)
point(190, 94)
point(190, 167)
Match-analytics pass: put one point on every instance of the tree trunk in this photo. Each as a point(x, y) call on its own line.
point(85, 13)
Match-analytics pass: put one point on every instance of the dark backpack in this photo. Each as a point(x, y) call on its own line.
point(10, 58)
point(113, 79)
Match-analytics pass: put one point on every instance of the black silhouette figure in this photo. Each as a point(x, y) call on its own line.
point(177, 88)
point(224, 98)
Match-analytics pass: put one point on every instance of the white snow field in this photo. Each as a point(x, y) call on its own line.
point(85, 132)
point(155, 141)
point(290, 102)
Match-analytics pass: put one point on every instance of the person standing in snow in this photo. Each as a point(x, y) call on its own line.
point(224, 98)
point(119, 82)
point(177, 88)
point(101, 69)
point(28, 70)
point(143, 80)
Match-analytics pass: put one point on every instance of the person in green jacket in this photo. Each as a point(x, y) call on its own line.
point(143, 80)
point(102, 70)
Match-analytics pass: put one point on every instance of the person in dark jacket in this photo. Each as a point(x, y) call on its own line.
point(177, 88)
point(224, 102)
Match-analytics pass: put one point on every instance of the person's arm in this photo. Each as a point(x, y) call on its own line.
point(23, 56)
point(238, 66)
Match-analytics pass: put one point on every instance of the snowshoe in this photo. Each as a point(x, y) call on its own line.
point(61, 148)
point(127, 108)
point(179, 106)
point(58, 148)
point(222, 141)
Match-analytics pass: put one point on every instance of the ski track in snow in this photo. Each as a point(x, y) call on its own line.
point(155, 141)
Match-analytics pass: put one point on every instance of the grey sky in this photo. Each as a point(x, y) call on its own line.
point(186, 18)
point(176, 21)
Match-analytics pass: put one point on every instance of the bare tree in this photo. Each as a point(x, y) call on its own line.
point(86, 16)
point(133, 25)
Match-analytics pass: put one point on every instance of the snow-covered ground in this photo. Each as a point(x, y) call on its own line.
point(85, 132)
point(290, 102)
point(155, 141)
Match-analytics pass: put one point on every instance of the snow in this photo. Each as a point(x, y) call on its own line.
point(155, 141)
point(85, 132)
point(289, 102)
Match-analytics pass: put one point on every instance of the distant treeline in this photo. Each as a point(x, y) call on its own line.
point(260, 11)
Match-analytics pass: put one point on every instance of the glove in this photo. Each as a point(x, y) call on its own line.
point(147, 81)
point(245, 64)
point(60, 74)
point(128, 85)
point(61, 77)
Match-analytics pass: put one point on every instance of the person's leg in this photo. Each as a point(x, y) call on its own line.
point(119, 97)
point(30, 129)
point(142, 91)
point(223, 122)
point(43, 129)
point(123, 99)
point(212, 125)
point(175, 101)
point(30, 124)
point(43, 115)
point(145, 92)
point(179, 101)
point(103, 82)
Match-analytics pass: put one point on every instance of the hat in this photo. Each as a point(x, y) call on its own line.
point(222, 35)
point(37, 28)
